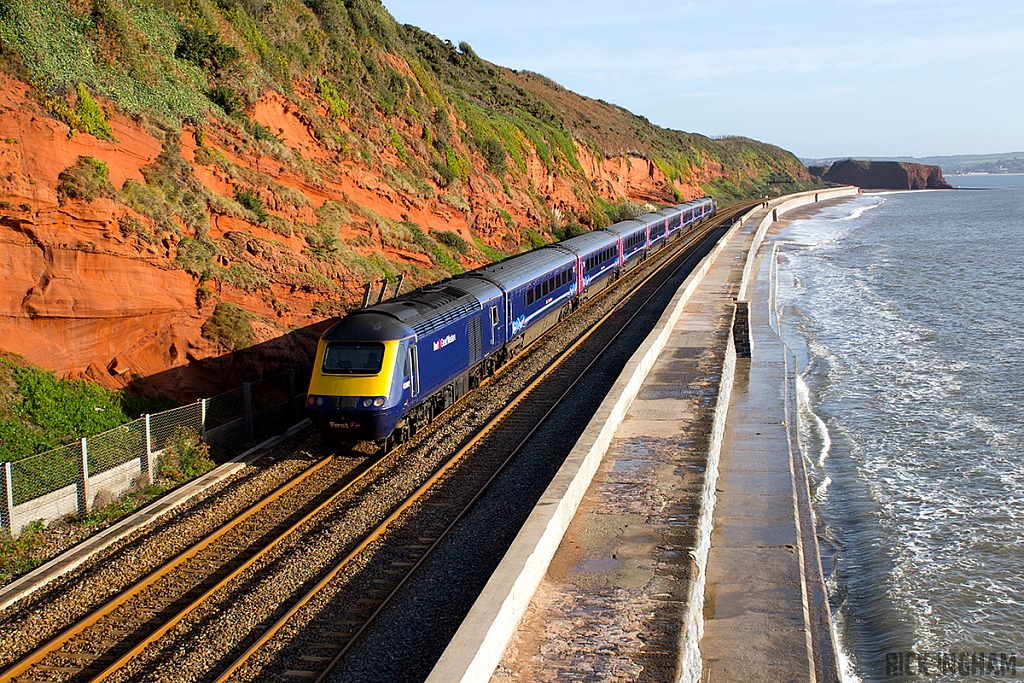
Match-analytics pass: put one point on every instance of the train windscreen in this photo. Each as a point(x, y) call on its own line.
point(353, 358)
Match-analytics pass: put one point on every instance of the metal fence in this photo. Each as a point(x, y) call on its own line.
point(70, 479)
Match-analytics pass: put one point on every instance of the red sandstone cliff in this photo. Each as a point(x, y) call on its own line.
point(93, 288)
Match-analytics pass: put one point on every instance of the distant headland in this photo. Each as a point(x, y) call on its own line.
point(883, 175)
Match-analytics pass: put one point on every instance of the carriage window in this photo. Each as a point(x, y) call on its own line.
point(537, 293)
point(353, 358)
point(544, 288)
point(529, 297)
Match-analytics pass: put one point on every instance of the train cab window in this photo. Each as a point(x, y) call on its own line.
point(403, 364)
point(353, 358)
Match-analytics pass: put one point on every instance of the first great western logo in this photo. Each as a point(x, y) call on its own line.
point(443, 342)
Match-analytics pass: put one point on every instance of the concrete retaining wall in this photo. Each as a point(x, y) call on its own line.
point(693, 620)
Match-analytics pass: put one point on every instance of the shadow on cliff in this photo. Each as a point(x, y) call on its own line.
point(207, 377)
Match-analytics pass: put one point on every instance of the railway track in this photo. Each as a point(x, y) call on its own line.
point(304, 637)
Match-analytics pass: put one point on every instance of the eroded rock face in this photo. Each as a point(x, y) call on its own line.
point(95, 288)
point(887, 175)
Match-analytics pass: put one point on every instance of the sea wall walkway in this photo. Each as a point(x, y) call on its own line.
point(606, 580)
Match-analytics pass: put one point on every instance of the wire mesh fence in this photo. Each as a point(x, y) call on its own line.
point(67, 479)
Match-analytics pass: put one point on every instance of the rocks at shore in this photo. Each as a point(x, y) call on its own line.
point(886, 175)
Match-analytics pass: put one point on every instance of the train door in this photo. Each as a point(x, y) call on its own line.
point(414, 368)
point(495, 319)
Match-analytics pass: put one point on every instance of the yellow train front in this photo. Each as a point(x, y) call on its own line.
point(361, 381)
point(386, 371)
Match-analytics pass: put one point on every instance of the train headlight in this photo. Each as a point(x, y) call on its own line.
point(311, 400)
point(367, 402)
point(378, 402)
point(319, 400)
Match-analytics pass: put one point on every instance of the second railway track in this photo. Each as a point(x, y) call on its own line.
point(277, 606)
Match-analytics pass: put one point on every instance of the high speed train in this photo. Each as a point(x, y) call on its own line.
point(385, 371)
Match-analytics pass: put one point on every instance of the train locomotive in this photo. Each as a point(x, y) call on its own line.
point(383, 372)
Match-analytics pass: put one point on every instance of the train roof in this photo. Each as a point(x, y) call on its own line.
point(653, 217)
point(588, 242)
point(422, 311)
point(625, 227)
point(367, 325)
point(481, 289)
point(518, 270)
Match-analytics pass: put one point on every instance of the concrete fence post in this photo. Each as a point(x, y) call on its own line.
point(775, 215)
point(292, 388)
point(7, 500)
point(147, 457)
point(247, 420)
point(202, 417)
point(84, 489)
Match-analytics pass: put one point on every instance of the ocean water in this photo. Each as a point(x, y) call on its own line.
point(906, 314)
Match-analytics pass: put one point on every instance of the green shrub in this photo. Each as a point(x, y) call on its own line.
point(243, 276)
point(131, 227)
point(87, 180)
point(251, 201)
point(17, 554)
point(227, 99)
point(336, 106)
point(229, 326)
point(90, 118)
point(419, 238)
point(494, 155)
point(534, 238)
point(174, 191)
point(186, 456)
point(260, 132)
point(205, 49)
point(447, 261)
point(444, 175)
point(195, 257)
point(452, 239)
point(44, 411)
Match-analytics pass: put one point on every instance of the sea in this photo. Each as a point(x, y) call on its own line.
point(905, 311)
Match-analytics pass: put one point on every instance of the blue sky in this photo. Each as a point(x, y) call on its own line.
point(862, 77)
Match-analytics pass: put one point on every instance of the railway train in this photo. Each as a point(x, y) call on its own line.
point(385, 371)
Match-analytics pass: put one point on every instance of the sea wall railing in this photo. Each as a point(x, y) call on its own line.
point(72, 479)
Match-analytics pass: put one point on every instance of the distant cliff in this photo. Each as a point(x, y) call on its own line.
point(886, 175)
